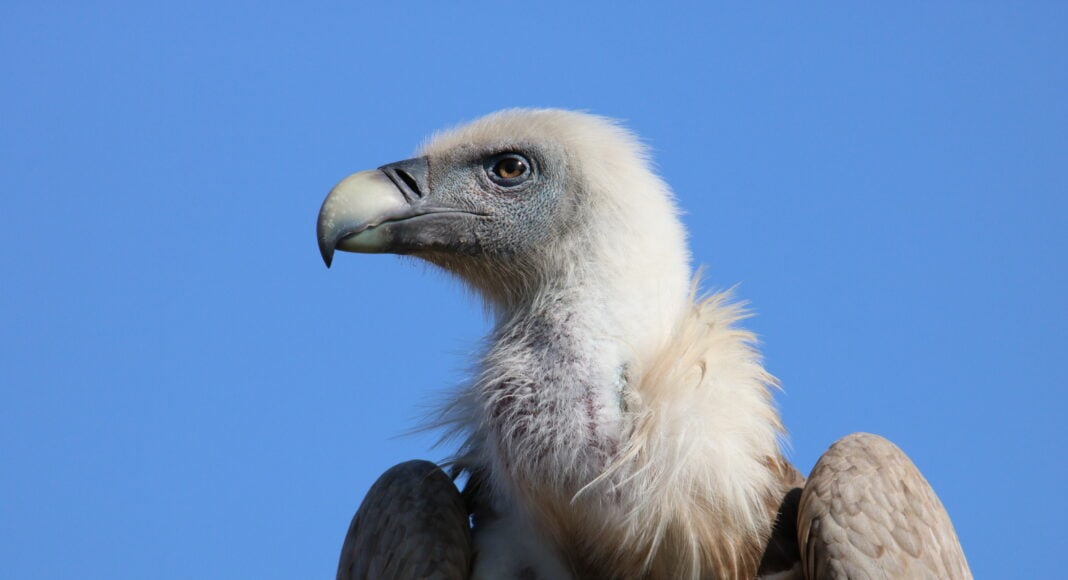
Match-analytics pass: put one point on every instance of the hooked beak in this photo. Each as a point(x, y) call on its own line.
point(388, 210)
point(352, 212)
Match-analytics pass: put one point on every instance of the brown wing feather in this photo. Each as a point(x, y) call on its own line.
point(867, 512)
point(412, 524)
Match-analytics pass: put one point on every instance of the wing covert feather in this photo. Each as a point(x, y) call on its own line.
point(867, 512)
point(412, 524)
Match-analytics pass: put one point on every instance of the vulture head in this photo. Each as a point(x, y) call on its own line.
point(615, 427)
point(520, 203)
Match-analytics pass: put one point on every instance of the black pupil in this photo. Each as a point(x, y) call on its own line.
point(510, 167)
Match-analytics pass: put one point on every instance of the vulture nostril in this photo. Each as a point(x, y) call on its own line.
point(409, 181)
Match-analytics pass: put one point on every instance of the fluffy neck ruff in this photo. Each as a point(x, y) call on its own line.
point(667, 463)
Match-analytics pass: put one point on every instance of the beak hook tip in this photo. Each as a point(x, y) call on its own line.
point(327, 252)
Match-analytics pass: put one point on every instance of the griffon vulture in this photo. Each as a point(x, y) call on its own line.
point(616, 427)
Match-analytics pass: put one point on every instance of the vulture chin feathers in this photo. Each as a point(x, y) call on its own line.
point(617, 425)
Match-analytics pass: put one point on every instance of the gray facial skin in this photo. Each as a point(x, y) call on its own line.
point(449, 206)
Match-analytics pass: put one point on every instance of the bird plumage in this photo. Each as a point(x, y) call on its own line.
point(429, 538)
point(867, 512)
point(617, 426)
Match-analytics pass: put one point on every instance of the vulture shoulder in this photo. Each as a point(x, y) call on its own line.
point(413, 523)
point(867, 512)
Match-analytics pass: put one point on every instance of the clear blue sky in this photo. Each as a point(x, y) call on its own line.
point(186, 392)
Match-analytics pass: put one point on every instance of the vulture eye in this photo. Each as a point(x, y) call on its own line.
point(508, 169)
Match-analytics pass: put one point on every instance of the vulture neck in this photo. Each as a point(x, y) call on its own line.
point(628, 422)
point(634, 306)
point(555, 376)
point(615, 283)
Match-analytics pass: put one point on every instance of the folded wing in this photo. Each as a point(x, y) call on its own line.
point(867, 512)
point(412, 524)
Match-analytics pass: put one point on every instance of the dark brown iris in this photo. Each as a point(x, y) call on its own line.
point(510, 168)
